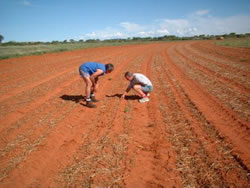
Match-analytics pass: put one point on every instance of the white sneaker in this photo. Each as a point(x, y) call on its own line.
point(144, 99)
point(148, 94)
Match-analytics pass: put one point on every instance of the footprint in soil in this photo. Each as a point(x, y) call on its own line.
point(67, 144)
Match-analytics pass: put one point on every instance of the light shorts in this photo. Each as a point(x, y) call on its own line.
point(147, 88)
point(83, 74)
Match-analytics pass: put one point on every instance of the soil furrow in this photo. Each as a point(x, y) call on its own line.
point(224, 64)
point(210, 141)
point(235, 101)
point(241, 56)
point(183, 136)
point(229, 82)
point(215, 112)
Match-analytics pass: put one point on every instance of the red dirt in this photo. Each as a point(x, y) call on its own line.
point(194, 132)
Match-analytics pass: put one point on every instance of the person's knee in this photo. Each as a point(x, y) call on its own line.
point(88, 83)
point(136, 87)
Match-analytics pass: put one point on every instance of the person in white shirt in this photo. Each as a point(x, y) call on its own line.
point(140, 83)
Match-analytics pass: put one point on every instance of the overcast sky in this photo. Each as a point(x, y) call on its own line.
point(48, 20)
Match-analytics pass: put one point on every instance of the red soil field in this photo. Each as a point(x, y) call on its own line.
point(194, 131)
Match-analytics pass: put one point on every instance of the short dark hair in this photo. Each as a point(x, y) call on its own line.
point(109, 67)
point(128, 74)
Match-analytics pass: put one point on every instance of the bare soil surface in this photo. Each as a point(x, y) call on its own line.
point(194, 131)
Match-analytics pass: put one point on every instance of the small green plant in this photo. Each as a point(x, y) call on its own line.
point(126, 109)
point(243, 59)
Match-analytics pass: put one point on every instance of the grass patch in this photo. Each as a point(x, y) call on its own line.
point(236, 42)
point(11, 51)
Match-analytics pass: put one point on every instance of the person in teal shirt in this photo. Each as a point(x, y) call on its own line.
point(90, 71)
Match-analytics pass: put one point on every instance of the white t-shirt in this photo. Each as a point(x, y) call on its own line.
point(139, 79)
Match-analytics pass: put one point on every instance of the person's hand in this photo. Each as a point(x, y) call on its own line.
point(123, 96)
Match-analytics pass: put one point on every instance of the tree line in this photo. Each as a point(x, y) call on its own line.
point(137, 39)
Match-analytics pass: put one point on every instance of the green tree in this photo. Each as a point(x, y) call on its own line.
point(54, 42)
point(232, 35)
point(1, 38)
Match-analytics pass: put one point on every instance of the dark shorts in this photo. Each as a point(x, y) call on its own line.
point(147, 88)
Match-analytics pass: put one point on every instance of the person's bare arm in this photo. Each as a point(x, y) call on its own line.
point(125, 93)
point(94, 77)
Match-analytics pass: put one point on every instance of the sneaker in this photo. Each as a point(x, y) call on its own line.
point(144, 99)
point(90, 104)
point(148, 94)
point(93, 99)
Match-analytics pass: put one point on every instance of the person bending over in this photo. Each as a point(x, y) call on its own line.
point(90, 72)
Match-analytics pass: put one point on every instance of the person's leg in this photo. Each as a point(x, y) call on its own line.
point(88, 92)
point(147, 90)
point(88, 86)
point(85, 77)
point(142, 90)
point(93, 91)
point(139, 90)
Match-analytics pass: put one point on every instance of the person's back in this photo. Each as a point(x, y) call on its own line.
point(91, 67)
point(141, 79)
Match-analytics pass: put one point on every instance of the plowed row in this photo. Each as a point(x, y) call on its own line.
point(194, 132)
